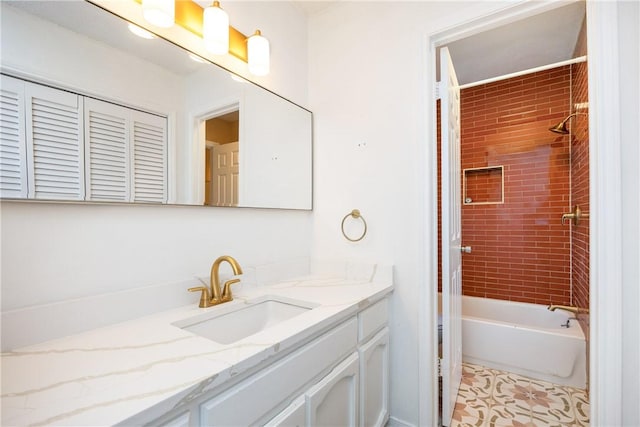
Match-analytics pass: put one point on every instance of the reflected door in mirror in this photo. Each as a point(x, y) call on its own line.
point(222, 168)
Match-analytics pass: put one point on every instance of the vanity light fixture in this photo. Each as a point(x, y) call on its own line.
point(215, 29)
point(258, 53)
point(141, 32)
point(161, 13)
point(190, 16)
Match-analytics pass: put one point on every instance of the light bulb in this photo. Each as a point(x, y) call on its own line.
point(215, 29)
point(258, 52)
point(160, 13)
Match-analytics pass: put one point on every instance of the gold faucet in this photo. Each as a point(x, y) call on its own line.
point(216, 296)
point(574, 310)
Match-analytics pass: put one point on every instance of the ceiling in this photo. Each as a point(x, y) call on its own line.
point(312, 7)
point(543, 39)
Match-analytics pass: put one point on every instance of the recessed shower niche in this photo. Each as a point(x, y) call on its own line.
point(483, 186)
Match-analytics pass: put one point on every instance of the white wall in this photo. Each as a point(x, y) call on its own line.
point(368, 81)
point(55, 252)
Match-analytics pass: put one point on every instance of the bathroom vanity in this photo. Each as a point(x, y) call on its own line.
point(307, 351)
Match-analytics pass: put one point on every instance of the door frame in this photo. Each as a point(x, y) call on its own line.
point(605, 379)
point(197, 136)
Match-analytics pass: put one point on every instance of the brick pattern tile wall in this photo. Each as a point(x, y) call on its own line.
point(507, 263)
point(521, 252)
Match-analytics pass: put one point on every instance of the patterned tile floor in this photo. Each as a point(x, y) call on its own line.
point(489, 397)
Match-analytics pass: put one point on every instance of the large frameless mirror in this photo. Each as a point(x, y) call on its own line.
point(151, 122)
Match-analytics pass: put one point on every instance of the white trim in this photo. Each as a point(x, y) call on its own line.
point(428, 306)
point(525, 72)
point(605, 217)
point(196, 134)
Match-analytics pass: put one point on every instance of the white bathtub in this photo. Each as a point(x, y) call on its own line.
point(523, 338)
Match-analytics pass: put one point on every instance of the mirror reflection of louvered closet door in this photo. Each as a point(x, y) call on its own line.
point(40, 142)
point(59, 145)
point(126, 154)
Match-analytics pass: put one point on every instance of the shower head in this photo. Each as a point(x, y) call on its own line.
point(561, 127)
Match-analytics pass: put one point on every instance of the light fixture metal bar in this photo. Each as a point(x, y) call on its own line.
point(189, 15)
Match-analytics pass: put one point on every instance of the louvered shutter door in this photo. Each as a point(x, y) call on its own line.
point(149, 177)
point(55, 154)
point(13, 156)
point(107, 128)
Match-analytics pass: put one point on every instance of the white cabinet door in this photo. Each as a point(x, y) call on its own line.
point(294, 415)
point(13, 154)
point(374, 380)
point(107, 151)
point(334, 400)
point(55, 152)
point(149, 157)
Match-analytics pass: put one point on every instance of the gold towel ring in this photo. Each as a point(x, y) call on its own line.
point(354, 214)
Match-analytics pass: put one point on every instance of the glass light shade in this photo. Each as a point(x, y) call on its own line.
point(160, 13)
point(140, 32)
point(196, 58)
point(258, 52)
point(215, 29)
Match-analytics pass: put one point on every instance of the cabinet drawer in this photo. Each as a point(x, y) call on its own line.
point(372, 319)
point(249, 401)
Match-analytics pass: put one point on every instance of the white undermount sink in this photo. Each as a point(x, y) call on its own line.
point(226, 325)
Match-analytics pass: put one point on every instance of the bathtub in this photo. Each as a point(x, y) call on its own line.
point(523, 338)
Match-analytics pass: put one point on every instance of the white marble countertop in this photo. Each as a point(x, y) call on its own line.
point(107, 375)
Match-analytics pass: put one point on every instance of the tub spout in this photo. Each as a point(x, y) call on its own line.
point(570, 309)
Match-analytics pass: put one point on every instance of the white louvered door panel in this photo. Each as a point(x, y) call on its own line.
point(107, 145)
point(55, 153)
point(149, 167)
point(13, 154)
